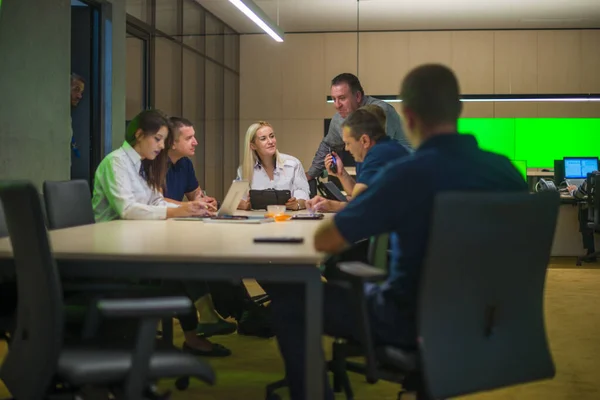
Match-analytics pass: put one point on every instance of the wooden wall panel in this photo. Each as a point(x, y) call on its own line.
point(303, 63)
point(515, 62)
point(590, 61)
point(429, 47)
point(473, 61)
point(383, 61)
point(515, 110)
point(261, 77)
point(559, 62)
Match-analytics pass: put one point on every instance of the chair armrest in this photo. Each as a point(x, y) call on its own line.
point(97, 287)
point(361, 272)
point(156, 307)
point(357, 274)
point(148, 311)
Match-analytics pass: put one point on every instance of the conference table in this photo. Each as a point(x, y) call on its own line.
point(192, 249)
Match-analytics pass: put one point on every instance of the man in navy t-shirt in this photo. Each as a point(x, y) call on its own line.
point(181, 177)
point(400, 201)
point(182, 182)
point(364, 137)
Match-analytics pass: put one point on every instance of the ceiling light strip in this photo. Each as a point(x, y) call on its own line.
point(258, 16)
point(507, 98)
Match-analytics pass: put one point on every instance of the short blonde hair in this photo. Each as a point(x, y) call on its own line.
point(250, 156)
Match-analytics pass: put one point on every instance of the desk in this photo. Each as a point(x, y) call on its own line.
point(181, 250)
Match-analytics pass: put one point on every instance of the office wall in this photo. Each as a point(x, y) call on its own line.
point(35, 64)
point(287, 83)
point(195, 64)
point(119, 72)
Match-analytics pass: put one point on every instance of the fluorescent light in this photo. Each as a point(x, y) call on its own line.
point(507, 98)
point(257, 15)
point(533, 99)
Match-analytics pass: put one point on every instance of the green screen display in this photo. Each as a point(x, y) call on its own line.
point(537, 141)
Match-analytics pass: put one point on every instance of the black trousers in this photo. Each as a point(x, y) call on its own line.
point(587, 234)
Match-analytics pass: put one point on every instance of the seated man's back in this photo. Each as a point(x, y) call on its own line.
point(400, 200)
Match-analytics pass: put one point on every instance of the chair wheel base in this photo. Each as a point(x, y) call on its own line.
point(182, 383)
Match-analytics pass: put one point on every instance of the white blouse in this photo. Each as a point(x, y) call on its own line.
point(289, 175)
point(120, 192)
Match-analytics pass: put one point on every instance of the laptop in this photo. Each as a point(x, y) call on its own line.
point(226, 213)
point(577, 168)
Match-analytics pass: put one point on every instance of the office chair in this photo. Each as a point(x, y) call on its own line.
point(480, 333)
point(312, 185)
point(3, 227)
point(7, 293)
point(593, 214)
point(69, 204)
point(474, 334)
point(37, 359)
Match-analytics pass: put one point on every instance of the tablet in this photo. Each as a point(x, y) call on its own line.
point(260, 199)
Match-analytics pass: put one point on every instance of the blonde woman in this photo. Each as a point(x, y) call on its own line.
point(266, 168)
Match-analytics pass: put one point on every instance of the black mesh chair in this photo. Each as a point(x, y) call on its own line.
point(480, 325)
point(8, 293)
point(3, 227)
point(68, 203)
point(37, 360)
point(593, 214)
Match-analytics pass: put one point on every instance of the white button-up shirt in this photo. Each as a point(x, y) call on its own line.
point(120, 192)
point(288, 175)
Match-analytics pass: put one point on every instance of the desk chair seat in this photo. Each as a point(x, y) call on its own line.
point(393, 357)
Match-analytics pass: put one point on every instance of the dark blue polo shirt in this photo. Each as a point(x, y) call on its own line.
point(400, 200)
point(382, 153)
point(181, 179)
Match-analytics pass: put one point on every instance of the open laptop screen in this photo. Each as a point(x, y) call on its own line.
point(579, 167)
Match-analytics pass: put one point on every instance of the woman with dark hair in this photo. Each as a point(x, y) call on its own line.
point(128, 184)
point(129, 180)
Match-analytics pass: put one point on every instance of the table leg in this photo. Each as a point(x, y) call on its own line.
point(314, 331)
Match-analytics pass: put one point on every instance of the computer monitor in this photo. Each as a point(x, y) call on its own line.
point(579, 167)
point(521, 166)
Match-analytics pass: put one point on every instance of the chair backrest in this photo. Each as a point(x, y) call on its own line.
point(593, 200)
point(379, 251)
point(68, 203)
point(312, 186)
point(480, 313)
point(31, 362)
point(3, 227)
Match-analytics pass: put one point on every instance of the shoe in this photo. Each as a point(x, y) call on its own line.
point(217, 328)
point(216, 351)
point(256, 322)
